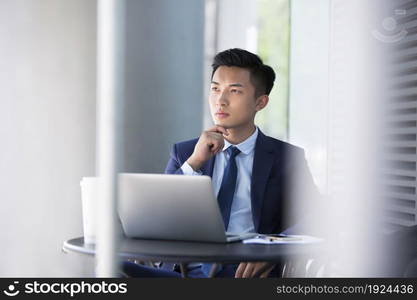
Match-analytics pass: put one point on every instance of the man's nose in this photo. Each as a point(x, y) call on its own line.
point(222, 99)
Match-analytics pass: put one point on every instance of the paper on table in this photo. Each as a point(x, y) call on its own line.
point(290, 239)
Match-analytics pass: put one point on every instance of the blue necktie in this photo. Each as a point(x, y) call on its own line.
point(226, 193)
point(228, 186)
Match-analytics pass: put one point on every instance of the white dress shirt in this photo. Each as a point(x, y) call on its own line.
point(241, 212)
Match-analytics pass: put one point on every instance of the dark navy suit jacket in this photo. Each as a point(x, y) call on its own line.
point(282, 188)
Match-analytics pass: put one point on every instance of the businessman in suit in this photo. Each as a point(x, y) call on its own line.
point(258, 180)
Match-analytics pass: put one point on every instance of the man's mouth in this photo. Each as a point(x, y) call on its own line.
point(221, 115)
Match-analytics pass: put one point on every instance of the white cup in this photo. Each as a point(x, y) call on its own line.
point(89, 199)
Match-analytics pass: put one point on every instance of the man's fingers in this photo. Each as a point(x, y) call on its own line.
point(248, 273)
point(214, 150)
point(267, 271)
point(219, 129)
point(240, 269)
point(248, 270)
point(222, 130)
point(215, 146)
point(218, 143)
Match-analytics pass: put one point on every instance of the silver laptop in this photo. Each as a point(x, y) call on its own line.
point(171, 207)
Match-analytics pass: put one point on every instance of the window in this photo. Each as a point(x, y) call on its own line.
point(259, 26)
point(273, 26)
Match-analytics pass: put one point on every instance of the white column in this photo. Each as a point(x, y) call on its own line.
point(109, 106)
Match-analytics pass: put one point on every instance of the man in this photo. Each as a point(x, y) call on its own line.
point(252, 174)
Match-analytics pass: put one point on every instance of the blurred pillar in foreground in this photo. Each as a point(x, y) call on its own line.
point(350, 216)
point(110, 83)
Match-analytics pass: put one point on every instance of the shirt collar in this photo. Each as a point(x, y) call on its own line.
point(246, 146)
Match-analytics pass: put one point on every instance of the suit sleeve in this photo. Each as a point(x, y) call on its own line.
point(306, 200)
point(174, 164)
point(306, 181)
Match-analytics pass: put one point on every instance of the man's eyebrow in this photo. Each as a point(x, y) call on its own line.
point(233, 84)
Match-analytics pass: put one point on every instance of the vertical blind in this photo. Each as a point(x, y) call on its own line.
point(396, 42)
point(400, 138)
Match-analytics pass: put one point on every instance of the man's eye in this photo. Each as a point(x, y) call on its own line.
point(214, 88)
point(235, 91)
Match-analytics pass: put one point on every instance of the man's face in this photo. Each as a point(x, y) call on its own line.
point(232, 97)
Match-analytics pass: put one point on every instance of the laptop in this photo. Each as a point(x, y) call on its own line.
point(172, 207)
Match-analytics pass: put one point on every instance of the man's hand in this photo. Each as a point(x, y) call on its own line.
point(209, 144)
point(248, 270)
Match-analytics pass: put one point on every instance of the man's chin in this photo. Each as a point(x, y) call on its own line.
point(223, 124)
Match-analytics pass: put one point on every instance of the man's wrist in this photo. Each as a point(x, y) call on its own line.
point(195, 164)
point(188, 170)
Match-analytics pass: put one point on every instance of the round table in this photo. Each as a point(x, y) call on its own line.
point(187, 252)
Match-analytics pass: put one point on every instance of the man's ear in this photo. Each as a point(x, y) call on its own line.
point(261, 102)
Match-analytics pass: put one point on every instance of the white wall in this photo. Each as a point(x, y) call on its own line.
point(164, 79)
point(47, 132)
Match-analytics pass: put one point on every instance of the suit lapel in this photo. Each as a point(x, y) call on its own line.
point(262, 164)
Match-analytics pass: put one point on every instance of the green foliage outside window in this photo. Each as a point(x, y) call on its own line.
point(273, 48)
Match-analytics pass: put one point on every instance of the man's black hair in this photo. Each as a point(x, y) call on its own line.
point(261, 76)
